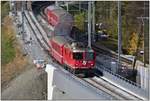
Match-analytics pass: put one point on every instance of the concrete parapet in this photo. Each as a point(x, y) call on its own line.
point(61, 86)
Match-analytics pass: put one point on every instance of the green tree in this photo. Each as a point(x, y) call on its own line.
point(106, 12)
point(79, 21)
point(4, 9)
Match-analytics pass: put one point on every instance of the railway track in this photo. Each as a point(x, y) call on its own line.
point(91, 81)
point(111, 54)
point(39, 39)
point(117, 92)
point(106, 89)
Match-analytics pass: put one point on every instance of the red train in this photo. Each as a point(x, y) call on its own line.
point(68, 52)
point(59, 19)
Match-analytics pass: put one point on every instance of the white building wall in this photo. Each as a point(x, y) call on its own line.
point(144, 76)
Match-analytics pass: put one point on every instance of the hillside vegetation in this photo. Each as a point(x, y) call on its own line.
point(7, 34)
point(13, 62)
point(106, 12)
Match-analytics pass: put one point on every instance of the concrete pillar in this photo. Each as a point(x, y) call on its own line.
point(56, 3)
point(138, 79)
point(119, 32)
point(50, 75)
point(67, 6)
point(93, 20)
point(114, 67)
point(29, 5)
point(89, 24)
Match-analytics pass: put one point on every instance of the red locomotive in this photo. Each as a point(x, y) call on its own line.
point(68, 52)
point(72, 54)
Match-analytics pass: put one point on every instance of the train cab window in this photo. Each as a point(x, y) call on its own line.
point(89, 56)
point(49, 35)
point(78, 56)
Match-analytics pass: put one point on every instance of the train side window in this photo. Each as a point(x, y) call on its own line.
point(54, 46)
point(71, 55)
point(57, 49)
point(66, 51)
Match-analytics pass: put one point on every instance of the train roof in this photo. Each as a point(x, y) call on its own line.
point(57, 10)
point(71, 44)
point(76, 46)
point(60, 12)
point(59, 40)
point(53, 7)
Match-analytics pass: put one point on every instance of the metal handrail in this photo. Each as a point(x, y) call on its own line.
point(119, 76)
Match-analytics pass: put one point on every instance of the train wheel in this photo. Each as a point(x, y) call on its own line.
point(52, 58)
point(73, 71)
point(65, 67)
point(89, 73)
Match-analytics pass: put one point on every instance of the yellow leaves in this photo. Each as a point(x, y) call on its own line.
point(132, 44)
point(4, 9)
point(8, 29)
point(8, 26)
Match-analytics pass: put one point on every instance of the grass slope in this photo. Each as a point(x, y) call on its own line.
point(13, 61)
point(7, 35)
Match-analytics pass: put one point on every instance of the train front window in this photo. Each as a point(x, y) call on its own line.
point(89, 56)
point(78, 56)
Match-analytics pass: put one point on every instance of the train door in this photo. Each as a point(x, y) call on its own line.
point(65, 55)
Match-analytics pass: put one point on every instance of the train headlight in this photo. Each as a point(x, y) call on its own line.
point(84, 62)
point(76, 64)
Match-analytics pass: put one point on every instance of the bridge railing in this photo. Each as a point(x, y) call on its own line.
point(124, 83)
point(102, 68)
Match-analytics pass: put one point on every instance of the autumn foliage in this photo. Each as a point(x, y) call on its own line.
point(132, 43)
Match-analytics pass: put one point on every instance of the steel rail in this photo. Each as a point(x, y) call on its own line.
point(114, 89)
point(106, 89)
